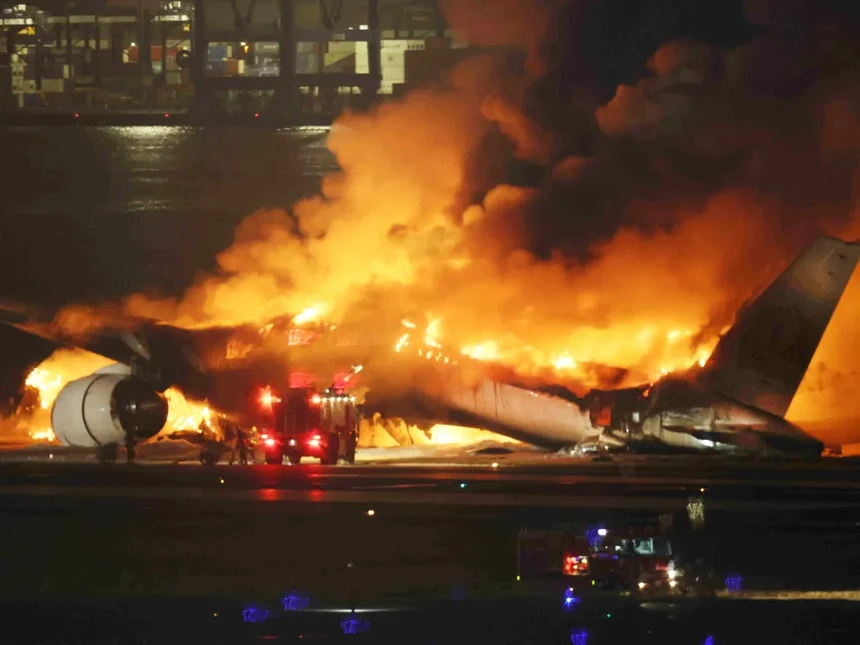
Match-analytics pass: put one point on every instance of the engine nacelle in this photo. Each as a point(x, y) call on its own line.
point(103, 407)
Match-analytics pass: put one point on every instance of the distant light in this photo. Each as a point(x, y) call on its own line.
point(243, 43)
point(673, 583)
point(270, 442)
point(256, 115)
point(166, 115)
point(601, 532)
point(316, 399)
point(462, 484)
point(363, 27)
point(371, 513)
point(77, 115)
point(518, 578)
point(221, 480)
point(495, 464)
point(132, 44)
point(641, 585)
point(701, 490)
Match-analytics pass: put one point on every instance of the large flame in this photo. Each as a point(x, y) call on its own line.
point(660, 210)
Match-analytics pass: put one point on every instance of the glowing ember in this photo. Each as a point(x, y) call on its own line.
point(487, 351)
point(443, 434)
point(43, 435)
point(311, 314)
point(564, 363)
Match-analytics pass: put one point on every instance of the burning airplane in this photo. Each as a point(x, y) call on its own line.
point(735, 401)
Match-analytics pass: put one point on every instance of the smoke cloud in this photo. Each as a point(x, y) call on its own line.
point(643, 223)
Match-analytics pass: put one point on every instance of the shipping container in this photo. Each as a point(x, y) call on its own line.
point(54, 85)
point(266, 48)
point(219, 51)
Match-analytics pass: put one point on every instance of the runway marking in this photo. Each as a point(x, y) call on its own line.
point(450, 499)
point(505, 474)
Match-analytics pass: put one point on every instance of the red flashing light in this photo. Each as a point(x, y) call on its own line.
point(77, 115)
point(267, 398)
point(315, 440)
point(575, 565)
point(166, 115)
point(256, 115)
point(270, 442)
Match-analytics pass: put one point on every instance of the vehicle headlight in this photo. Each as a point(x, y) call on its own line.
point(672, 572)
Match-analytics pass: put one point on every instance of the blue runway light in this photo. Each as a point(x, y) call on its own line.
point(579, 637)
point(570, 599)
point(354, 626)
point(734, 584)
point(294, 602)
point(255, 615)
point(709, 640)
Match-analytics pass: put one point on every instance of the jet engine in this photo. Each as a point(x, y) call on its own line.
point(103, 407)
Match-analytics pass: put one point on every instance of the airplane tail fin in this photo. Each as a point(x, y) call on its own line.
point(762, 359)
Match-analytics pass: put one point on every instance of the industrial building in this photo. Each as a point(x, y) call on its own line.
point(287, 57)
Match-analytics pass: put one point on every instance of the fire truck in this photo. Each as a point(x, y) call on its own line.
point(310, 423)
point(638, 559)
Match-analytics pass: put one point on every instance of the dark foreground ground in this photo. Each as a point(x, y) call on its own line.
point(175, 545)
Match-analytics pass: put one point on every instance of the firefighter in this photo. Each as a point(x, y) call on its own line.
point(242, 445)
point(230, 439)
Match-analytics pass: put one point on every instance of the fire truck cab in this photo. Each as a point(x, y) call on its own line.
point(309, 423)
point(633, 559)
point(636, 559)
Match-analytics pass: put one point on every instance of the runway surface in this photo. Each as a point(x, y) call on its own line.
point(460, 478)
point(238, 532)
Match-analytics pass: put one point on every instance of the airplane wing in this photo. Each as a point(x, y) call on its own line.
point(762, 359)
